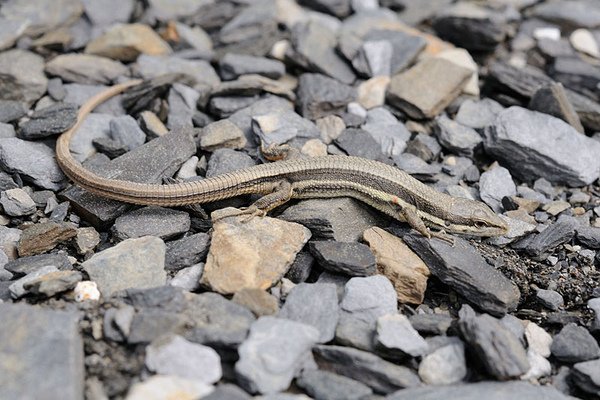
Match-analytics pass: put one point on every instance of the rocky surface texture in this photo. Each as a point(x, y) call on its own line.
point(324, 299)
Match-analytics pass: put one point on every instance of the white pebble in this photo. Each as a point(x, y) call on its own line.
point(583, 40)
point(86, 290)
point(547, 33)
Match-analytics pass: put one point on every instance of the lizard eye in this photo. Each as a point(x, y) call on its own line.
point(480, 225)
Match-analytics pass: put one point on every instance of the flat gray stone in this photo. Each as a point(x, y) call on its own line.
point(572, 14)
point(200, 71)
point(11, 110)
point(515, 141)
point(23, 77)
point(326, 385)
point(385, 128)
point(574, 344)
point(550, 299)
point(463, 268)
point(182, 106)
point(354, 259)
point(494, 185)
point(478, 114)
point(16, 203)
point(107, 12)
point(445, 365)
point(552, 99)
point(396, 338)
point(586, 375)
point(61, 12)
point(164, 223)
point(86, 69)
point(126, 131)
point(77, 93)
point(314, 304)
point(45, 358)
point(133, 263)
point(262, 367)
point(231, 66)
point(186, 251)
point(455, 137)
point(49, 121)
point(319, 96)
point(10, 31)
point(17, 288)
point(35, 162)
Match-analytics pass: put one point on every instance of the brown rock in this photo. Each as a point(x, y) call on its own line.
point(256, 300)
point(126, 42)
point(43, 237)
point(427, 88)
point(87, 239)
point(407, 272)
point(223, 133)
point(371, 93)
point(250, 253)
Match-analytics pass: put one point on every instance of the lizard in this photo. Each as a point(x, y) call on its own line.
point(383, 187)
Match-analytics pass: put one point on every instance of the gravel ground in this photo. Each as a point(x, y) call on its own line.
point(324, 299)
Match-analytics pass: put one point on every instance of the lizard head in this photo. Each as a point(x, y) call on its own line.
point(474, 218)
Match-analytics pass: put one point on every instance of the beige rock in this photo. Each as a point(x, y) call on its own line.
point(583, 40)
point(152, 125)
point(126, 42)
point(331, 127)
point(407, 272)
point(256, 300)
point(314, 148)
point(223, 133)
point(160, 387)
point(462, 58)
point(86, 240)
point(556, 207)
point(250, 252)
point(371, 93)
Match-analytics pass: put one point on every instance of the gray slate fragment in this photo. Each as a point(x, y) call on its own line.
point(478, 114)
point(589, 236)
point(200, 71)
point(176, 356)
point(482, 390)
point(17, 288)
point(494, 185)
point(550, 299)
point(319, 96)
point(577, 75)
point(499, 350)
point(462, 268)
point(182, 106)
point(515, 141)
point(50, 362)
point(164, 223)
point(436, 324)
point(444, 365)
point(283, 126)
point(572, 14)
point(354, 259)
point(150, 324)
point(360, 143)
point(78, 94)
point(232, 65)
point(390, 133)
point(126, 131)
point(188, 278)
point(574, 344)
point(325, 385)
point(364, 301)
point(35, 162)
point(405, 47)
point(104, 13)
point(553, 236)
point(23, 77)
point(149, 163)
point(552, 99)
point(396, 338)
point(586, 375)
point(11, 110)
point(133, 263)
point(49, 121)
point(243, 117)
point(455, 137)
point(382, 376)
point(7, 131)
point(53, 283)
point(314, 304)
point(186, 251)
point(86, 68)
point(262, 367)
point(17, 203)
point(227, 160)
point(25, 265)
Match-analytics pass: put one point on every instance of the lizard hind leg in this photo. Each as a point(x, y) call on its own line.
point(281, 195)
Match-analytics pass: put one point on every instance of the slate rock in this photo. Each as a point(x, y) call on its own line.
point(11, 110)
point(354, 259)
point(586, 376)
point(319, 96)
point(78, 94)
point(455, 137)
point(552, 237)
point(314, 304)
point(550, 299)
point(577, 75)
point(574, 344)
point(86, 69)
point(339, 8)
point(35, 162)
point(7, 131)
point(176, 356)
point(51, 351)
point(182, 106)
point(66, 12)
point(25, 265)
point(53, 283)
point(364, 301)
point(17, 288)
point(199, 71)
point(396, 338)
point(359, 143)
point(49, 121)
point(405, 48)
point(164, 223)
point(495, 184)
point(227, 160)
point(499, 350)
point(552, 99)
point(478, 114)
point(589, 236)
point(146, 164)
point(262, 367)
point(258, 301)
point(188, 278)
point(10, 31)
point(283, 126)
point(578, 14)
point(127, 132)
point(382, 376)
point(462, 268)
point(390, 133)
point(313, 46)
point(436, 324)
point(514, 140)
point(486, 390)
point(186, 251)
point(427, 88)
point(44, 236)
point(17, 203)
point(227, 391)
point(23, 77)
point(108, 11)
point(231, 66)
point(324, 385)
point(444, 365)
point(222, 134)
point(133, 263)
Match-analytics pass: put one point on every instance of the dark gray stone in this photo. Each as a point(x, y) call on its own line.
point(282, 127)
point(186, 251)
point(574, 344)
point(23, 77)
point(25, 265)
point(395, 338)
point(339, 8)
point(550, 299)
point(354, 259)
point(462, 268)
point(435, 324)
point(364, 301)
point(390, 133)
point(577, 75)
point(552, 237)
point(49, 121)
point(325, 385)
point(314, 304)
point(182, 106)
point(552, 99)
point(127, 132)
point(586, 375)
point(301, 268)
point(319, 96)
point(150, 324)
point(149, 163)
point(500, 351)
point(164, 223)
point(231, 66)
point(382, 376)
point(482, 390)
point(360, 143)
point(262, 367)
point(11, 110)
point(34, 162)
point(50, 362)
point(314, 49)
point(515, 141)
point(494, 185)
point(455, 137)
point(588, 236)
point(405, 47)
point(571, 14)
